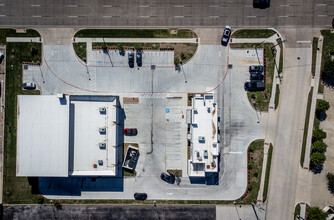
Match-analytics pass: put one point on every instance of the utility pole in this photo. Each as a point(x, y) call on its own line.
point(105, 50)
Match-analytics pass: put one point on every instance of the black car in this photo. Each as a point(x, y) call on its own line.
point(139, 58)
point(226, 36)
point(1, 57)
point(168, 178)
point(254, 86)
point(131, 60)
point(261, 4)
point(140, 196)
point(122, 53)
point(256, 76)
point(256, 69)
point(130, 131)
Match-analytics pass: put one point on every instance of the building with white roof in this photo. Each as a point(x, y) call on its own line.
point(204, 147)
point(58, 136)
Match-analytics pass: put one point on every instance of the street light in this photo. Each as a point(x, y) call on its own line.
point(184, 75)
point(40, 69)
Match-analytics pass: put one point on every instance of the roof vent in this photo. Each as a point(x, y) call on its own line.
point(102, 110)
point(100, 162)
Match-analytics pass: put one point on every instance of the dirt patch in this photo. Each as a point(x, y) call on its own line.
point(181, 51)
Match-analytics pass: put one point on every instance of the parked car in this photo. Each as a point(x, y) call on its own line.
point(261, 4)
point(255, 85)
point(140, 196)
point(168, 178)
point(256, 69)
point(122, 53)
point(226, 36)
point(1, 57)
point(131, 60)
point(256, 76)
point(139, 58)
point(29, 86)
point(130, 131)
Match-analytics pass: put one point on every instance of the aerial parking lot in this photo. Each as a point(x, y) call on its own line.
point(160, 117)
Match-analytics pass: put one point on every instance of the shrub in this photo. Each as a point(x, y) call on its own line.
point(330, 178)
point(314, 213)
point(317, 158)
point(319, 134)
point(322, 105)
point(328, 66)
point(319, 146)
point(316, 124)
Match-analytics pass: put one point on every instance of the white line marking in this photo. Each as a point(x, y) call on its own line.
point(107, 6)
point(2, 4)
point(36, 16)
point(178, 16)
point(144, 16)
point(144, 6)
point(107, 16)
point(283, 16)
point(248, 6)
point(72, 6)
point(321, 4)
point(35, 5)
point(284, 5)
point(251, 16)
point(178, 6)
point(303, 42)
point(214, 6)
point(322, 15)
point(214, 16)
point(72, 16)
point(3, 15)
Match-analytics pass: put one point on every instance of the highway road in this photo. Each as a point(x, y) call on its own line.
point(161, 13)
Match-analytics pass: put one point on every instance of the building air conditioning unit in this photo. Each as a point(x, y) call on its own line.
point(102, 130)
point(102, 145)
point(100, 162)
point(102, 110)
point(201, 138)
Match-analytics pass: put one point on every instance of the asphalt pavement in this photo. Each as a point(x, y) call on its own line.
point(160, 13)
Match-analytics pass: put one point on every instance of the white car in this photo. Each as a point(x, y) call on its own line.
point(29, 85)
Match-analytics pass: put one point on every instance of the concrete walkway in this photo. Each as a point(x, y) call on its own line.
point(271, 39)
point(24, 39)
point(315, 85)
point(138, 40)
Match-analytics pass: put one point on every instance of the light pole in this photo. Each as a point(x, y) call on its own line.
point(235, 205)
point(184, 75)
point(40, 69)
point(87, 69)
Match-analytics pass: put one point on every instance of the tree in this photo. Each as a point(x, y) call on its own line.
point(314, 213)
point(322, 106)
point(319, 134)
point(330, 178)
point(328, 66)
point(317, 158)
point(319, 146)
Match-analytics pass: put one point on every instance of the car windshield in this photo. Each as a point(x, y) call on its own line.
point(227, 32)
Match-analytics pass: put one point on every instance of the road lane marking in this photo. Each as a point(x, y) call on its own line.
point(3, 15)
point(144, 6)
point(214, 16)
point(107, 16)
point(178, 6)
point(178, 16)
point(72, 16)
point(322, 15)
point(144, 16)
point(214, 6)
point(283, 16)
point(35, 5)
point(36, 16)
point(284, 5)
point(107, 6)
point(72, 6)
point(321, 4)
point(251, 16)
point(2, 4)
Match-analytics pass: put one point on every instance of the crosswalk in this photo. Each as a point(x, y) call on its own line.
point(91, 67)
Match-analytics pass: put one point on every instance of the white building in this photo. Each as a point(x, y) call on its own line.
point(58, 136)
point(204, 147)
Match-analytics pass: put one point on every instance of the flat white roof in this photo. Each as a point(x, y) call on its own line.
point(42, 136)
point(204, 130)
point(90, 159)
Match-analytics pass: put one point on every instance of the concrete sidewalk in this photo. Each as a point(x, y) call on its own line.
point(137, 40)
point(24, 39)
point(315, 85)
point(271, 39)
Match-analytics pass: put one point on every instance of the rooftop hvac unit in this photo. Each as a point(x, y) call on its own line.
point(100, 162)
point(102, 145)
point(102, 130)
point(205, 153)
point(102, 110)
point(201, 138)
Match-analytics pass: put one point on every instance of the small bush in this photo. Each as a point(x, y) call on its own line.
point(319, 135)
point(322, 105)
point(330, 178)
point(315, 213)
point(317, 159)
point(250, 166)
point(316, 124)
point(319, 146)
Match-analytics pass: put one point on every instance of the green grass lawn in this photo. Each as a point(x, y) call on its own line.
point(297, 211)
point(328, 45)
point(135, 33)
point(261, 98)
point(253, 33)
point(280, 66)
point(81, 50)
point(16, 189)
point(307, 119)
point(266, 181)
point(12, 33)
point(277, 93)
point(314, 54)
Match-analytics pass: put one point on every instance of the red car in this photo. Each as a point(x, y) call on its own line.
point(130, 131)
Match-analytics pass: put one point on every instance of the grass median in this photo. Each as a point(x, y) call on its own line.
point(253, 33)
point(81, 50)
point(136, 33)
point(307, 119)
point(266, 180)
